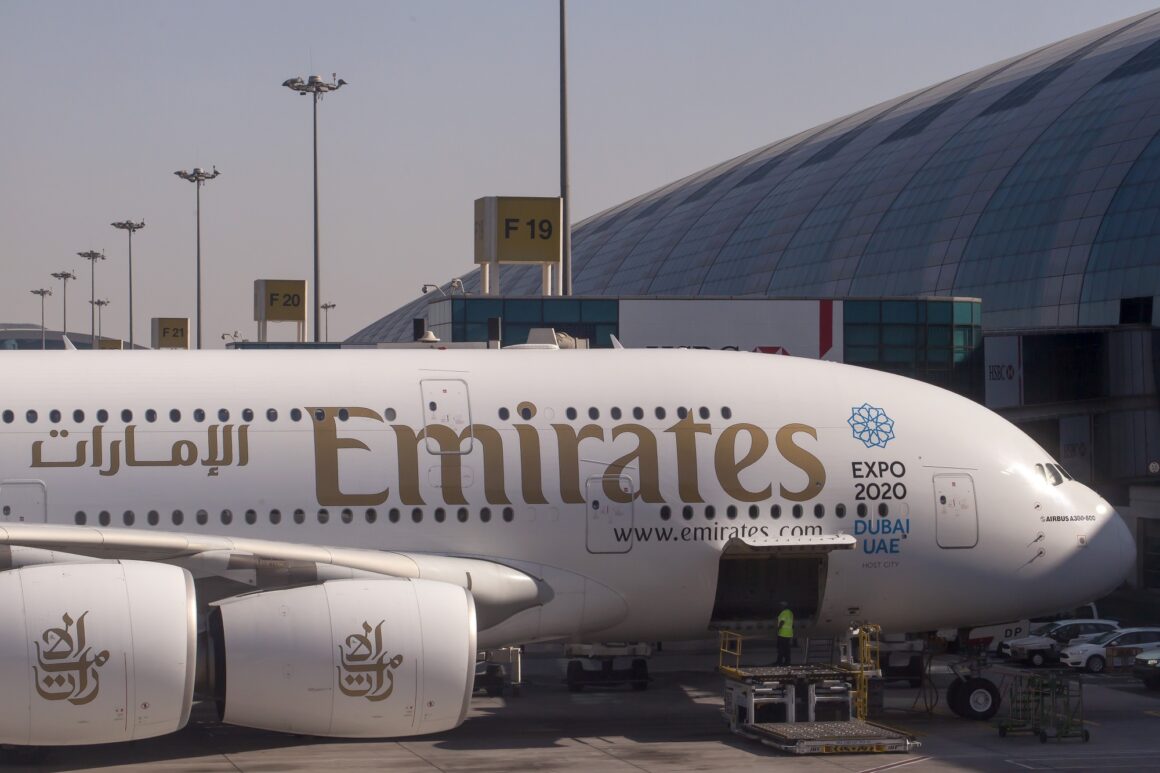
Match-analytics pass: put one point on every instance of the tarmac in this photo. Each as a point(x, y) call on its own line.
point(674, 725)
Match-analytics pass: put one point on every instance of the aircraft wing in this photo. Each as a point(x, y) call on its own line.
point(499, 591)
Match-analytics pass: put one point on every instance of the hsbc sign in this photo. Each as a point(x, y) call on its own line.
point(1004, 367)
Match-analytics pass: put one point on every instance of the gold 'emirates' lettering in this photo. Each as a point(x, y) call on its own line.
point(738, 451)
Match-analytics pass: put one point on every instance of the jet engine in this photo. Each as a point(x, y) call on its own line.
point(345, 658)
point(95, 652)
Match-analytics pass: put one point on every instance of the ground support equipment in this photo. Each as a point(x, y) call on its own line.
point(801, 709)
point(498, 671)
point(1047, 706)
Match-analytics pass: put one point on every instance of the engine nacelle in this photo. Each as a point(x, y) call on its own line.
point(96, 652)
point(346, 658)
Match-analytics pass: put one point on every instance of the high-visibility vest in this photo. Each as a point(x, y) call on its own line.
point(785, 624)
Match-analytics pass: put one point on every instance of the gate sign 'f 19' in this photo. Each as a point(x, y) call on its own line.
point(361, 523)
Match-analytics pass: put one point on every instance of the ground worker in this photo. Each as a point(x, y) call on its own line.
point(784, 634)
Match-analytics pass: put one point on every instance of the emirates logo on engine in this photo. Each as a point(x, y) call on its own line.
point(364, 670)
point(66, 668)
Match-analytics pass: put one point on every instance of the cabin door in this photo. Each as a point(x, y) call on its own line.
point(23, 501)
point(446, 402)
point(609, 518)
point(956, 518)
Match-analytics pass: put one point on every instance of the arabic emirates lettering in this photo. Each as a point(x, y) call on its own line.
point(66, 668)
point(364, 671)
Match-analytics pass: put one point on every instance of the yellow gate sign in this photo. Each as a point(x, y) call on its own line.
point(171, 332)
point(518, 229)
point(280, 300)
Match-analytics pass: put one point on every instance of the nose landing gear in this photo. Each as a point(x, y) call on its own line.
point(973, 697)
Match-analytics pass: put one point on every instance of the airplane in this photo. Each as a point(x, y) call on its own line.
point(321, 542)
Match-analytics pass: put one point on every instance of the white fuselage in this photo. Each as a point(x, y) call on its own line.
point(633, 469)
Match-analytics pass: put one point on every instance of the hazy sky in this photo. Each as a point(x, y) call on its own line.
point(447, 101)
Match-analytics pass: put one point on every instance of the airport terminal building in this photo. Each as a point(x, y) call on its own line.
point(1031, 185)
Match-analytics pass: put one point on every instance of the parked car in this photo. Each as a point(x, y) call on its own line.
point(1146, 667)
point(1092, 655)
point(1049, 639)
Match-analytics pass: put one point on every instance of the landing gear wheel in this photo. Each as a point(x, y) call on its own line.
point(977, 699)
point(1037, 659)
point(952, 693)
point(640, 674)
point(575, 676)
point(1096, 664)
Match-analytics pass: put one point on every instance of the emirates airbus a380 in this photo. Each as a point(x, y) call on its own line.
point(322, 541)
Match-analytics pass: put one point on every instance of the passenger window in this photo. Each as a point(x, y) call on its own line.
point(271, 415)
point(128, 517)
point(883, 509)
point(416, 515)
point(682, 412)
point(9, 417)
point(347, 515)
point(80, 518)
point(525, 413)
point(78, 416)
point(174, 415)
point(178, 517)
point(103, 518)
point(710, 512)
point(638, 413)
point(862, 509)
point(102, 416)
point(126, 415)
point(198, 415)
point(687, 512)
point(247, 414)
point(840, 510)
point(660, 412)
point(54, 416)
point(323, 515)
point(394, 515)
point(615, 413)
point(227, 517)
point(775, 511)
point(343, 414)
point(372, 515)
point(300, 516)
point(275, 516)
point(504, 414)
point(389, 414)
point(485, 514)
point(797, 511)
point(726, 413)
point(461, 514)
point(150, 415)
point(295, 414)
point(754, 511)
point(819, 510)
point(666, 513)
point(509, 514)
point(31, 417)
point(703, 412)
point(320, 415)
point(731, 512)
point(223, 414)
point(570, 413)
point(251, 517)
point(594, 413)
point(440, 515)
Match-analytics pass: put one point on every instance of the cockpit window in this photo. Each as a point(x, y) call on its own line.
point(1053, 473)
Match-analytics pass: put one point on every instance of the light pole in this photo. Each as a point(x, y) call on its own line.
point(326, 307)
point(198, 176)
point(99, 305)
point(130, 226)
point(42, 292)
point(318, 87)
point(93, 256)
point(64, 276)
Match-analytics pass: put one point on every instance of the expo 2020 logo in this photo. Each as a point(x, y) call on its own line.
point(871, 425)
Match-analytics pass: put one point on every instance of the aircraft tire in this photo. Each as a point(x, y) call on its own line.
point(575, 676)
point(952, 695)
point(978, 699)
point(640, 674)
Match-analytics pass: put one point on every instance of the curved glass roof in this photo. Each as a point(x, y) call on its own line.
point(1033, 183)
